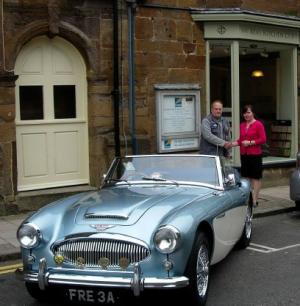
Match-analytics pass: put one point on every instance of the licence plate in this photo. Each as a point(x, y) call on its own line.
point(91, 296)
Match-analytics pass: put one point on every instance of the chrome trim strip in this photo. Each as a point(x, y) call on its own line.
point(135, 283)
point(114, 282)
point(175, 183)
point(101, 235)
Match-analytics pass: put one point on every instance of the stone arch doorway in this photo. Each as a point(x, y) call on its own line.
point(51, 115)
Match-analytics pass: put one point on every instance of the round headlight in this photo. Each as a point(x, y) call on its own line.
point(166, 239)
point(29, 235)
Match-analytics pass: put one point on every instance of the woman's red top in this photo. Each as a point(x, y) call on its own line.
point(256, 132)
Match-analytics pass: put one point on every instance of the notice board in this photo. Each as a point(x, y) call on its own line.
point(178, 117)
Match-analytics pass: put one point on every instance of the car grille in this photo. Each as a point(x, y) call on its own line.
point(92, 250)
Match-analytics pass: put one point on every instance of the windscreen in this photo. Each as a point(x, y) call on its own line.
point(198, 169)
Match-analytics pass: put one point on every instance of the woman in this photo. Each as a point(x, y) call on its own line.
point(252, 136)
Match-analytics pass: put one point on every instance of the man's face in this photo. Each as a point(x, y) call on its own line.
point(216, 109)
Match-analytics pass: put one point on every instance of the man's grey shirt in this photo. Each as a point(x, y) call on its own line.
point(214, 133)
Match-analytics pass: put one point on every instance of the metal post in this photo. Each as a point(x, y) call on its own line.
point(116, 92)
point(131, 72)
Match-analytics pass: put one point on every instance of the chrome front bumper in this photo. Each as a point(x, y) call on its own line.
point(136, 283)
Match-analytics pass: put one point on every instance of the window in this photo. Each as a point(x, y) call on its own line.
point(31, 103)
point(64, 101)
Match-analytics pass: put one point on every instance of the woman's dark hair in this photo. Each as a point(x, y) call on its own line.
point(246, 107)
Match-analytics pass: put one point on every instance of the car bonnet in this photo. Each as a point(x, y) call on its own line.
point(126, 205)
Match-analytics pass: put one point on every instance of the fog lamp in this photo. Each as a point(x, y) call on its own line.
point(123, 262)
point(59, 259)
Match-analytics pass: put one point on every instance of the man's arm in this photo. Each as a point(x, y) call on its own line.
point(209, 136)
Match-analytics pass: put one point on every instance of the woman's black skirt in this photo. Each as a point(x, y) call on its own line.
point(251, 166)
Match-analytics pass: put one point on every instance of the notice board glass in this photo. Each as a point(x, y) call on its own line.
point(178, 114)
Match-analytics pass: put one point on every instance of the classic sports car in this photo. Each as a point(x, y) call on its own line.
point(295, 183)
point(158, 222)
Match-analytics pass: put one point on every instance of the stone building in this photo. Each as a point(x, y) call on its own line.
point(84, 80)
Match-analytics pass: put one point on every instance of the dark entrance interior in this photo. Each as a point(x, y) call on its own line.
point(258, 86)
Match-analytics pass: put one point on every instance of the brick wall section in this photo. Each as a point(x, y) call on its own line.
point(290, 7)
point(169, 49)
point(7, 138)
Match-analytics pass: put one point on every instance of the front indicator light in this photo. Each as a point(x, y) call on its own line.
point(168, 265)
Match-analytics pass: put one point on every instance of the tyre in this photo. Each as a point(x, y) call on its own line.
point(38, 294)
point(198, 271)
point(297, 204)
point(247, 231)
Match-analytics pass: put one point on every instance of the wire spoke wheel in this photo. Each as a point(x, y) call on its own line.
point(248, 222)
point(198, 271)
point(202, 270)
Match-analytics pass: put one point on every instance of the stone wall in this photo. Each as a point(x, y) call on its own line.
point(169, 50)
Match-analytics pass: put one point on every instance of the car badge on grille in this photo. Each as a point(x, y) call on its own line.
point(100, 227)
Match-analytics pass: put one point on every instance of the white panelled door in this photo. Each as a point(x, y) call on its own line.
point(51, 115)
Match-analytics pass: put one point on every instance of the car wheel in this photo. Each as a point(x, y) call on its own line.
point(297, 204)
point(198, 271)
point(247, 231)
point(35, 292)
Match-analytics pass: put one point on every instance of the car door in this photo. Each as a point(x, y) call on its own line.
point(222, 219)
point(237, 212)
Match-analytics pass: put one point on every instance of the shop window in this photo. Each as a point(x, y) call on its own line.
point(266, 74)
point(64, 101)
point(220, 73)
point(31, 102)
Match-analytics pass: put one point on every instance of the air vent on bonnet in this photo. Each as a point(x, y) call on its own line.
point(106, 216)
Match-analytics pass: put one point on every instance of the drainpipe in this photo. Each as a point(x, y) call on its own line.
point(131, 72)
point(115, 91)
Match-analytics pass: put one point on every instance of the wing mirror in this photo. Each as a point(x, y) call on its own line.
point(232, 177)
point(230, 180)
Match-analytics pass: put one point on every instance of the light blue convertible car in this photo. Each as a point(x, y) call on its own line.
point(157, 223)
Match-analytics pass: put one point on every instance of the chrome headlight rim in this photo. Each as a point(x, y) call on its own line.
point(164, 231)
point(36, 232)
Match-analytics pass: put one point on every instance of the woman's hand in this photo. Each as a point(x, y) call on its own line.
point(246, 143)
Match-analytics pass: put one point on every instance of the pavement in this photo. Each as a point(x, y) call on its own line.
point(272, 200)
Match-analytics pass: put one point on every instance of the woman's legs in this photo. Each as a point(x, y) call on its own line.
point(256, 185)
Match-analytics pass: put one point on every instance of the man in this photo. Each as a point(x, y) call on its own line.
point(215, 132)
